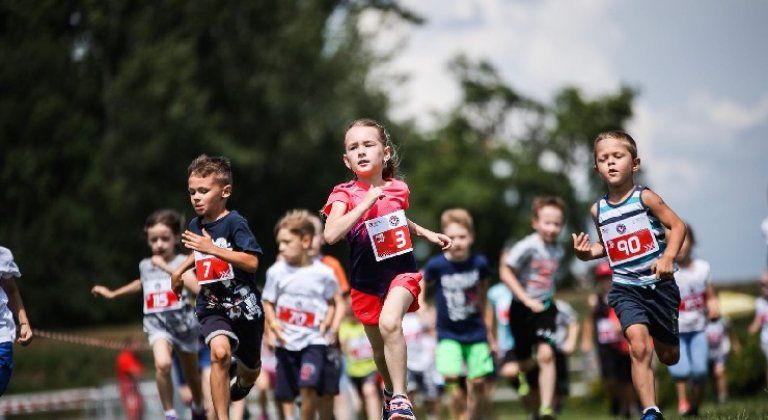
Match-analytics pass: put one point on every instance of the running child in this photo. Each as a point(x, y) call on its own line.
point(370, 212)
point(698, 300)
point(169, 320)
point(529, 271)
point(299, 303)
point(760, 322)
point(226, 257)
point(11, 305)
point(460, 277)
point(641, 236)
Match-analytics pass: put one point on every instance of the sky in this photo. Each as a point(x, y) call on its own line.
point(701, 68)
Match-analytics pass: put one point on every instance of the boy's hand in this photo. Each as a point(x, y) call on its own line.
point(535, 305)
point(582, 246)
point(569, 347)
point(25, 334)
point(277, 330)
point(176, 282)
point(664, 267)
point(99, 290)
point(373, 194)
point(198, 243)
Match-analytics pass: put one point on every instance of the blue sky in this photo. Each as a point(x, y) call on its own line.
point(701, 68)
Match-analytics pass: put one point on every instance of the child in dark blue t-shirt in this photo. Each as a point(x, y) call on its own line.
point(225, 258)
point(460, 277)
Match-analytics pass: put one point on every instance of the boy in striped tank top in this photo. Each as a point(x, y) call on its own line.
point(641, 237)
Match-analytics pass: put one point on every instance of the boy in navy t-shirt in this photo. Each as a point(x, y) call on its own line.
point(460, 277)
point(225, 258)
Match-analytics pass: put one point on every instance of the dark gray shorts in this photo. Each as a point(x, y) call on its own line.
point(657, 307)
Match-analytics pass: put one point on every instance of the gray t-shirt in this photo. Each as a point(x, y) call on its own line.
point(536, 265)
point(161, 314)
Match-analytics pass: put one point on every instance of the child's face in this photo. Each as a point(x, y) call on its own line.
point(207, 194)
point(548, 223)
point(364, 151)
point(292, 247)
point(462, 240)
point(161, 239)
point(614, 162)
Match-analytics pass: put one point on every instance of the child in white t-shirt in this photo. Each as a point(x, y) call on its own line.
point(11, 306)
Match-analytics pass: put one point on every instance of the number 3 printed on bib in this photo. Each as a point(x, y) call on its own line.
point(389, 235)
point(629, 239)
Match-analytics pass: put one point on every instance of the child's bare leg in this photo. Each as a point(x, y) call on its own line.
point(192, 376)
point(641, 354)
point(458, 398)
point(476, 399)
point(545, 356)
point(721, 385)
point(161, 351)
point(372, 400)
point(391, 325)
point(377, 344)
point(286, 410)
point(221, 355)
point(308, 403)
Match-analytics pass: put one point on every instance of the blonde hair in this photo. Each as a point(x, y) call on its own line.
point(297, 221)
point(618, 135)
point(390, 166)
point(459, 216)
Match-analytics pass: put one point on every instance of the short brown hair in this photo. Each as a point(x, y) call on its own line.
point(618, 135)
point(544, 201)
point(297, 221)
point(170, 218)
point(205, 165)
point(391, 166)
point(459, 216)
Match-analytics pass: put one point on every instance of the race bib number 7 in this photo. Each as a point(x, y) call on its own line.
point(389, 235)
point(629, 239)
point(211, 269)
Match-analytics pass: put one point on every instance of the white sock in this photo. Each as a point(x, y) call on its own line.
point(171, 412)
point(652, 407)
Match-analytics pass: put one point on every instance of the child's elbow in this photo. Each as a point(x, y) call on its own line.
point(330, 238)
point(252, 265)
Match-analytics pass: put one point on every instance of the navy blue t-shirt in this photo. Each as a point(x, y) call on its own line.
point(458, 294)
point(230, 232)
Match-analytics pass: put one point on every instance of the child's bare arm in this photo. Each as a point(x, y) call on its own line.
point(127, 289)
point(16, 304)
point(754, 326)
point(664, 267)
point(176, 277)
point(588, 330)
point(271, 319)
point(340, 221)
point(436, 238)
point(245, 261)
point(573, 335)
point(339, 313)
point(509, 278)
point(584, 249)
point(713, 304)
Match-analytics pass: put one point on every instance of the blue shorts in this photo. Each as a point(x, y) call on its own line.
point(694, 355)
point(6, 365)
point(655, 306)
point(300, 369)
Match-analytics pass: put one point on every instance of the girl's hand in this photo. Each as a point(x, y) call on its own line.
point(198, 243)
point(582, 246)
point(438, 239)
point(159, 262)
point(101, 291)
point(373, 194)
point(25, 334)
point(664, 267)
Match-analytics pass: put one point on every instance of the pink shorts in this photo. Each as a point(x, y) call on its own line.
point(367, 308)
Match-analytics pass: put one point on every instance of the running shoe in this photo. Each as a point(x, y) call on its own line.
point(652, 414)
point(238, 392)
point(400, 408)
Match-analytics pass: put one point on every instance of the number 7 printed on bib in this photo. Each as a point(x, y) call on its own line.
point(211, 269)
point(389, 235)
point(629, 239)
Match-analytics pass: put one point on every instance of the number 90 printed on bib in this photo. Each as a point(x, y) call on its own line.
point(629, 239)
point(389, 235)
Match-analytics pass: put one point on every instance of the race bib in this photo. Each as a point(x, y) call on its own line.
point(693, 302)
point(629, 239)
point(360, 349)
point(296, 317)
point(212, 269)
point(389, 235)
point(158, 296)
point(607, 333)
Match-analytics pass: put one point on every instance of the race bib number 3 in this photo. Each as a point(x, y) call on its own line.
point(296, 317)
point(210, 269)
point(389, 235)
point(629, 239)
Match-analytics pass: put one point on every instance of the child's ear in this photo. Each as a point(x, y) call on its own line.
point(226, 191)
point(306, 241)
point(346, 161)
point(635, 164)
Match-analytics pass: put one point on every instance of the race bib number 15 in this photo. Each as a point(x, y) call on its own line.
point(389, 235)
point(629, 239)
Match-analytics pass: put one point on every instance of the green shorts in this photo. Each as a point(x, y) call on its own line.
point(451, 356)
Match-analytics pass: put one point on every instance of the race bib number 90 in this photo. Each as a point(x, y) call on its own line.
point(389, 235)
point(211, 269)
point(629, 239)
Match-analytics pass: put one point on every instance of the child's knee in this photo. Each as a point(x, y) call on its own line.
point(220, 352)
point(163, 367)
point(390, 325)
point(545, 354)
point(640, 349)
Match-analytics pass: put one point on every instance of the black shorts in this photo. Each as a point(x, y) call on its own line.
point(614, 364)
point(244, 335)
point(530, 328)
point(299, 369)
point(656, 306)
point(332, 371)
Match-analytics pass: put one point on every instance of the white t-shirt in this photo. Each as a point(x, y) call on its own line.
point(300, 296)
point(8, 270)
point(536, 265)
point(420, 344)
point(565, 316)
point(693, 281)
point(717, 338)
point(761, 311)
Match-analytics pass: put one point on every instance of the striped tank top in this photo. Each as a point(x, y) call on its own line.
point(633, 238)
